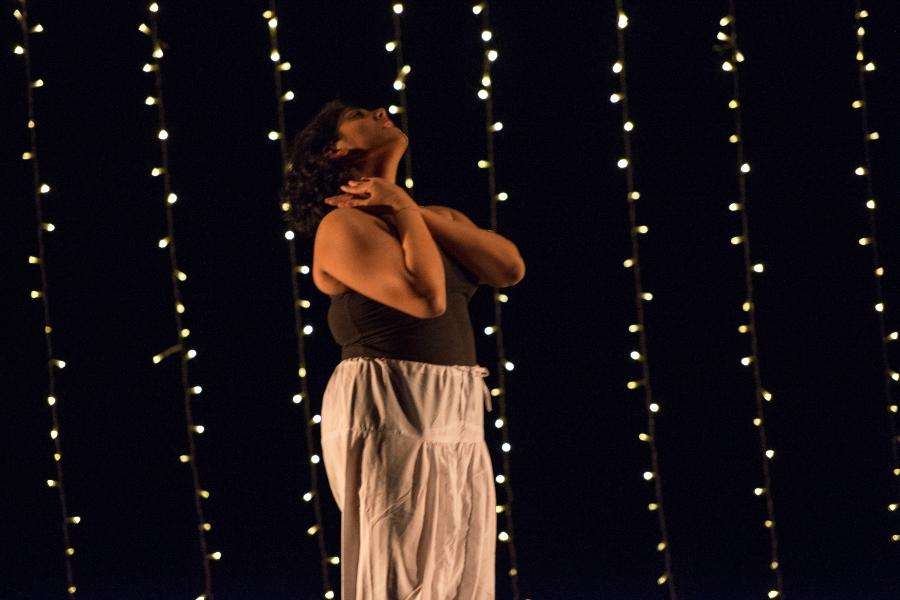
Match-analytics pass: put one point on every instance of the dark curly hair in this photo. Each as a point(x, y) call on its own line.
point(310, 176)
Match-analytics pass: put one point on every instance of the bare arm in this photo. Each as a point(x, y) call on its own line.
point(493, 258)
point(404, 272)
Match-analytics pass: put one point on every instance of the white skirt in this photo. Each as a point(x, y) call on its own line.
point(404, 450)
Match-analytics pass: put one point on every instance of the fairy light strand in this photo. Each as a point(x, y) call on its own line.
point(626, 163)
point(732, 59)
point(43, 227)
point(506, 534)
point(311, 421)
point(865, 66)
point(395, 47)
point(177, 276)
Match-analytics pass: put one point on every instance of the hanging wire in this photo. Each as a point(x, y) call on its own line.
point(43, 227)
point(507, 533)
point(312, 496)
point(733, 57)
point(177, 276)
point(865, 171)
point(626, 163)
point(395, 46)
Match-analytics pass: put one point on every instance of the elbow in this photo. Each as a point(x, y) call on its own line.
point(435, 306)
point(516, 274)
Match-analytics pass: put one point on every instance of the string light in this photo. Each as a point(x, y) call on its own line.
point(395, 46)
point(53, 363)
point(871, 241)
point(300, 329)
point(168, 242)
point(640, 356)
point(492, 127)
point(729, 49)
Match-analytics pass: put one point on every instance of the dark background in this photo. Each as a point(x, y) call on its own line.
point(581, 523)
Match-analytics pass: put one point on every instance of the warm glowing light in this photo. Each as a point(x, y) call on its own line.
point(477, 9)
point(727, 66)
point(745, 168)
point(398, 8)
point(153, 7)
point(483, 94)
point(274, 56)
point(45, 188)
point(390, 46)
point(486, 35)
point(623, 21)
point(500, 478)
point(622, 163)
point(498, 423)
point(288, 235)
point(505, 447)
point(648, 475)
point(614, 98)
point(654, 407)
point(492, 55)
point(19, 50)
point(307, 329)
point(274, 135)
point(617, 67)
point(758, 268)
point(172, 198)
point(163, 134)
point(628, 126)
point(503, 536)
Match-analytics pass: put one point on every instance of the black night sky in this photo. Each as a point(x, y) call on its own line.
point(582, 527)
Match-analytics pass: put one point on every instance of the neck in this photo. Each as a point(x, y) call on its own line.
point(382, 164)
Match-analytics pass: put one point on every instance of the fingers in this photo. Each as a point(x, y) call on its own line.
point(345, 200)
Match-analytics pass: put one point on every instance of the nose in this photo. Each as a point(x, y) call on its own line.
point(380, 113)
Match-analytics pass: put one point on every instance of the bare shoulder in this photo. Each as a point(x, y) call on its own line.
point(337, 229)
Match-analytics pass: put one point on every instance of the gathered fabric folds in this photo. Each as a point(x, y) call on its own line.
point(404, 451)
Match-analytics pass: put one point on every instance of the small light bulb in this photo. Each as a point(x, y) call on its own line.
point(500, 478)
point(498, 423)
point(274, 56)
point(273, 135)
point(492, 55)
point(745, 168)
point(617, 67)
point(307, 329)
point(398, 8)
point(390, 46)
point(163, 134)
point(172, 198)
point(476, 10)
point(19, 50)
point(483, 94)
point(505, 447)
point(45, 188)
point(297, 398)
point(289, 235)
point(614, 98)
point(486, 35)
point(622, 163)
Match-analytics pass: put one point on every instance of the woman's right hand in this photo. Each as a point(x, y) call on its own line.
point(373, 194)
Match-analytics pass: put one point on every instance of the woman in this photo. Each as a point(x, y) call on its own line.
point(402, 415)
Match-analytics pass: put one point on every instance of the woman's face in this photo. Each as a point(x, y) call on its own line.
point(367, 130)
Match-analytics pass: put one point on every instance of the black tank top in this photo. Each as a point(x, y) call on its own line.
point(364, 327)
